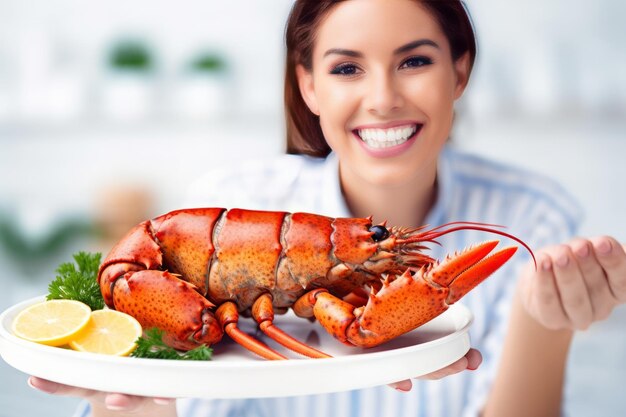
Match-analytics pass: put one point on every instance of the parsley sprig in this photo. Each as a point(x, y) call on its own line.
point(151, 345)
point(78, 284)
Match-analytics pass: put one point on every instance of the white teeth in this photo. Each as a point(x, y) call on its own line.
point(384, 138)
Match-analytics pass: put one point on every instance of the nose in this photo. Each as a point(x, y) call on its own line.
point(383, 95)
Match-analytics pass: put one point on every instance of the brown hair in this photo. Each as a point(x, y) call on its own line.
point(304, 133)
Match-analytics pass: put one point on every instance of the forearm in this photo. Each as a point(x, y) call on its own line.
point(147, 410)
point(530, 377)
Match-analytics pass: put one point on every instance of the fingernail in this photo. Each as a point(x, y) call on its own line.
point(402, 386)
point(112, 407)
point(29, 381)
point(562, 260)
point(471, 369)
point(114, 402)
point(604, 247)
point(546, 265)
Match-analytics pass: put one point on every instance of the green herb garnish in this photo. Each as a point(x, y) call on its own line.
point(82, 284)
point(151, 346)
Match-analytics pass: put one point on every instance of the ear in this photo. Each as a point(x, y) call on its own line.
point(305, 82)
point(462, 71)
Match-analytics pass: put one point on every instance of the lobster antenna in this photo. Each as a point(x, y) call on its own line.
point(432, 234)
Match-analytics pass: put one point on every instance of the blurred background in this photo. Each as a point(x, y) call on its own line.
point(108, 109)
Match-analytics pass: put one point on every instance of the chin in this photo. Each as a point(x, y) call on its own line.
point(389, 177)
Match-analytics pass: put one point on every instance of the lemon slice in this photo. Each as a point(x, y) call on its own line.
point(53, 322)
point(109, 332)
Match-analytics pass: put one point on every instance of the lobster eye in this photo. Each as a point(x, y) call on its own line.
point(380, 233)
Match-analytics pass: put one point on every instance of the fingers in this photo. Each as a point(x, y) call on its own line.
point(111, 401)
point(55, 388)
point(577, 283)
point(404, 386)
point(572, 288)
point(612, 258)
point(474, 359)
point(598, 288)
point(131, 403)
point(471, 361)
point(544, 297)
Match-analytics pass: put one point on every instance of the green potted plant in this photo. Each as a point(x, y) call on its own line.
point(129, 86)
point(131, 56)
point(203, 91)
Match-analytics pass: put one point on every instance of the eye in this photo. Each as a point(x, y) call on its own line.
point(345, 69)
point(416, 62)
point(380, 233)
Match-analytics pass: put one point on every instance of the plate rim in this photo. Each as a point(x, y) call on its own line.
point(7, 339)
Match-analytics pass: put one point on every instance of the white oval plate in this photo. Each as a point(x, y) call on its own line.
point(236, 373)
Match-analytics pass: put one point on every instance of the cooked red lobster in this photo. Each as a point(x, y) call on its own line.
point(191, 272)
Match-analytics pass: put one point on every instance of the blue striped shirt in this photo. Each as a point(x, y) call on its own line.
point(470, 188)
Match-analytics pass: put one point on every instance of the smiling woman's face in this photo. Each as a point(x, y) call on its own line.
point(383, 83)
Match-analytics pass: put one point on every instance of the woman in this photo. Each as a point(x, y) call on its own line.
point(375, 81)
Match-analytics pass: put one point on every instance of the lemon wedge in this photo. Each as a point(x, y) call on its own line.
point(53, 322)
point(109, 332)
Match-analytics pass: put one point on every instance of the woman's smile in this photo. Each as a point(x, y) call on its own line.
point(387, 141)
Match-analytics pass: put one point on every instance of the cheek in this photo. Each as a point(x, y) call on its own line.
point(337, 106)
point(329, 131)
point(434, 95)
point(336, 99)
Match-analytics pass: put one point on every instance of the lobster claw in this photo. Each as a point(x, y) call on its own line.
point(462, 272)
point(426, 294)
point(406, 302)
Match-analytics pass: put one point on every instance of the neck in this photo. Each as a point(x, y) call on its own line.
point(402, 204)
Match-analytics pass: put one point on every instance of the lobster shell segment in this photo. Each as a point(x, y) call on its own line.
point(308, 249)
point(351, 240)
point(248, 249)
point(186, 238)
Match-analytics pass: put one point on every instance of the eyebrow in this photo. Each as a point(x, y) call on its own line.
point(415, 44)
point(404, 48)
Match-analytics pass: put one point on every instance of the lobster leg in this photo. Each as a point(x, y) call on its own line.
point(228, 316)
point(334, 314)
point(358, 297)
point(263, 313)
point(404, 302)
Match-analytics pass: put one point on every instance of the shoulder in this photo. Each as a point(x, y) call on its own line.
point(258, 184)
point(524, 198)
point(476, 170)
